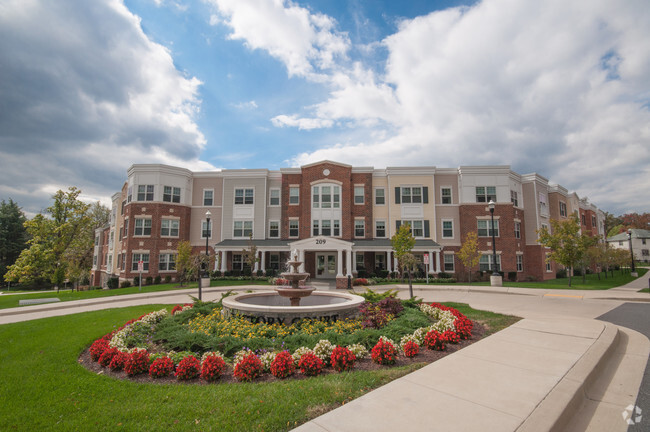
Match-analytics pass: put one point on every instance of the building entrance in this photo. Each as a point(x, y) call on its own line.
point(326, 265)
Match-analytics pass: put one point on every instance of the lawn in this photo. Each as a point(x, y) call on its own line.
point(592, 282)
point(11, 301)
point(46, 388)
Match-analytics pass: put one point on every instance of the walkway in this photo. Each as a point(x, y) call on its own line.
point(557, 369)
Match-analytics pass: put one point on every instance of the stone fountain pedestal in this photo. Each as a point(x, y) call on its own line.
point(294, 291)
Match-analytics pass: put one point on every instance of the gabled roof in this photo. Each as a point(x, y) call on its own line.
point(636, 233)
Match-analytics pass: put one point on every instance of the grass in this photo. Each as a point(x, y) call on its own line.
point(11, 301)
point(44, 387)
point(591, 283)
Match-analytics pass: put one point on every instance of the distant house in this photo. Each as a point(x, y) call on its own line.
point(640, 243)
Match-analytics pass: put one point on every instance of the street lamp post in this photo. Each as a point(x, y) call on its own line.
point(629, 239)
point(495, 278)
point(204, 266)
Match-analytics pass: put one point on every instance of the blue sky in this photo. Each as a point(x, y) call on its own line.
point(561, 88)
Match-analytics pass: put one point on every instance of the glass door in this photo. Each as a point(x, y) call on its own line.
point(325, 265)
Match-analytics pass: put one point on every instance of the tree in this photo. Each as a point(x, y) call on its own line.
point(13, 234)
point(61, 241)
point(403, 242)
point(184, 264)
point(566, 243)
point(250, 254)
point(469, 254)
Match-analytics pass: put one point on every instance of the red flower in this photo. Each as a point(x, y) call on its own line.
point(310, 364)
point(249, 368)
point(411, 349)
point(137, 362)
point(97, 348)
point(188, 368)
point(384, 353)
point(161, 367)
point(434, 341)
point(212, 368)
point(342, 359)
point(107, 356)
point(118, 361)
point(282, 365)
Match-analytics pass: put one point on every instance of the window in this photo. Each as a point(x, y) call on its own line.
point(584, 220)
point(543, 208)
point(449, 262)
point(417, 227)
point(274, 261)
point(359, 195)
point(563, 209)
point(293, 228)
point(520, 263)
point(447, 229)
point(642, 241)
point(326, 228)
point(145, 193)
point(326, 196)
point(545, 227)
point(122, 209)
point(486, 193)
point(593, 221)
point(171, 194)
point(337, 228)
point(206, 231)
point(121, 233)
point(208, 197)
point(645, 252)
point(123, 261)
point(243, 229)
point(237, 262)
point(380, 229)
point(95, 261)
point(411, 195)
point(129, 194)
point(485, 263)
point(548, 263)
point(167, 262)
point(380, 196)
point(359, 228)
point(513, 198)
point(379, 261)
point(137, 257)
point(169, 228)
point(142, 227)
point(244, 196)
point(316, 228)
point(294, 195)
point(361, 265)
point(620, 243)
point(485, 230)
point(274, 229)
point(517, 229)
point(274, 197)
point(445, 194)
point(126, 227)
point(96, 240)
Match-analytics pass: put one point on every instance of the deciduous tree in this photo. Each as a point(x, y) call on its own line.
point(469, 254)
point(403, 242)
point(567, 244)
point(13, 234)
point(250, 254)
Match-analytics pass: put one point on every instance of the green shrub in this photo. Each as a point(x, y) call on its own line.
point(168, 279)
point(125, 284)
point(136, 281)
point(156, 280)
point(149, 280)
point(113, 283)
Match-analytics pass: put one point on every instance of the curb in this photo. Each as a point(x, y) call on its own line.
point(557, 409)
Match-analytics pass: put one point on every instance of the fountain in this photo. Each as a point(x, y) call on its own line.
point(295, 291)
point(291, 303)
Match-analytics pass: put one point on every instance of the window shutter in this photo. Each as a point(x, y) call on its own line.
point(397, 196)
point(425, 195)
point(398, 224)
point(427, 232)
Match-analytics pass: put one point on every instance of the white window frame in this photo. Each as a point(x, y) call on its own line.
point(410, 195)
point(488, 228)
point(485, 196)
point(294, 198)
point(140, 256)
point(488, 257)
point(211, 199)
point(204, 226)
point(442, 225)
point(519, 262)
point(549, 267)
point(170, 228)
point(246, 228)
point(563, 209)
point(143, 227)
point(359, 199)
point(295, 222)
point(449, 259)
point(245, 196)
point(239, 261)
point(443, 196)
point(359, 223)
point(168, 262)
point(411, 224)
point(145, 193)
point(514, 198)
point(517, 230)
point(376, 229)
point(271, 197)
point(360, 264)
point(383, 196)
point(173, 196)
point(270, 229)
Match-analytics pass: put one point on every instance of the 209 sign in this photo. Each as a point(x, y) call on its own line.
point(320, 241)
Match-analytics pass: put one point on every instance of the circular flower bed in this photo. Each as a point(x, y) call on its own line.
point(163, 345)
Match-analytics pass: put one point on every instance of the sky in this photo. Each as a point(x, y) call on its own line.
point(559, 87)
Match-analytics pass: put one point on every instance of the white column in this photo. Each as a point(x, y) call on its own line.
point(348, 261)
point(396, 264)
point(339, 263)
point(354, 263)
point(263, 262)
point(389, 264)
point(438, 261)
point(301, 257)
point(431, 269)
point(224, 259)
point(257, 266)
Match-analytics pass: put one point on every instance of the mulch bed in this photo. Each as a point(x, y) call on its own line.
point(425, 356)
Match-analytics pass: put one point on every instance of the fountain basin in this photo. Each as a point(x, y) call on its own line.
point(270, 307)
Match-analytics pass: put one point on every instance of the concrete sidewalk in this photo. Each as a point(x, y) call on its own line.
point(532, 376)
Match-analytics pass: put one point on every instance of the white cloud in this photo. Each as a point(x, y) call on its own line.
point(250, 105)
point(300, 123)
point(85, 94)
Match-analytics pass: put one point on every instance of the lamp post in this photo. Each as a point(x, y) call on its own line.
point(204, 266)
point(495, 279)
point(629, 239)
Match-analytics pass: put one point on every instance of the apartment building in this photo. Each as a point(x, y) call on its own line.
point(338, 218)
